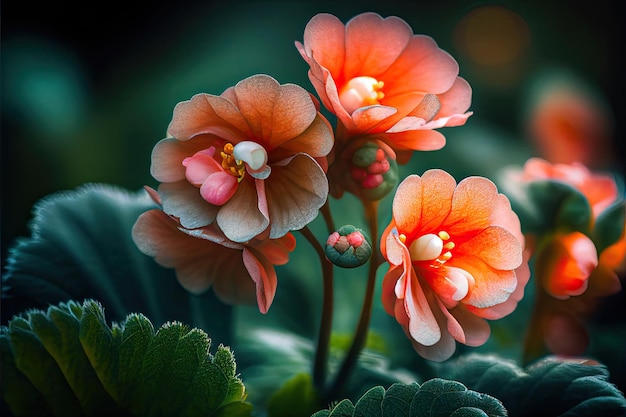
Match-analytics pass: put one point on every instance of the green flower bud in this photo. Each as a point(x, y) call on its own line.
point(374, 172)
point(348, 247)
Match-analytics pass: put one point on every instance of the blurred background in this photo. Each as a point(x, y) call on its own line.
point(87, 91)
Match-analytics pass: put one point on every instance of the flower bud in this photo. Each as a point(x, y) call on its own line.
point(374, 171)
point(348, 247)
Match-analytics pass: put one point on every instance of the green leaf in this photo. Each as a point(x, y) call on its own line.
point(551, 386)
point(81, 248)
point(297, 397)
point(609, 226)
point(68, 361)
point(436, 397)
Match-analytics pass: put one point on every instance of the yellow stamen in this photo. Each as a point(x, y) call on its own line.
point(449, 245)
point(230, 164)
point(402, 238)
point(443, 235)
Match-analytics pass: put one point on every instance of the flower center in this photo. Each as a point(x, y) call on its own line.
point(431, 247)
point(360, 92)
point(230, 164)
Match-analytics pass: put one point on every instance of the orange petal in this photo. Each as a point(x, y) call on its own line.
point(472, 204)
point(456, 100)
point(168, 155)
point(324, 39)
point(422, 203)
point(417, 140)
point(264, 276)
point(491, 286)
point(206, 113)
point(496, 246)
point(317, 140)
point(421, 66)
point(373, 44)
point(274, 112)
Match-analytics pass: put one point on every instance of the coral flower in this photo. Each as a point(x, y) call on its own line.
point(250, 160)
point(380, 79)
point(203, 258)
point(456, 258)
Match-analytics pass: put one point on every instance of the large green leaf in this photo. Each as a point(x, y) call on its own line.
point(435, 397)
point(81, 247)
point(551, 387)
point(67, 361)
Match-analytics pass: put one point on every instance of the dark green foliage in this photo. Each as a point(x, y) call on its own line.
point(434, 398)
point(68, 362)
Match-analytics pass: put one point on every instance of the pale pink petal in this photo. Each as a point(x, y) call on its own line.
point(218, 188)
point(297, 188)
point(274, 112)
point(491, 286)
point(389, 298)
point(373, 44)
point(183, 200)
point(367, 118)
point(476, 331)
point(168, 155)
point(422, 66)
point(446, 345)
point(206, 113)
point(423, 326)
point(241, 218)
point(393, 248)
point(199, 166)
point(263, 275)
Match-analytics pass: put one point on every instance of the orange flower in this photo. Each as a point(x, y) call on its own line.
point(250, 160)
point(380, 79)
point(569, 123)
point(239, 273)
point(456, 257)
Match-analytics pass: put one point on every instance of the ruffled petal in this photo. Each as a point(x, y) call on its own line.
point(297, 189)
point(373, 44)
point(422, 203)
point(472, 204)
point(274, 112)
point(206, 113)
point(183, 200)
point(456, 100)
point(317, 140)
point(416, 140)
point(199, 263)
point(242, 218)
point(496, 246)
point(168, 155)
point(324, 40)
point(264, 276)
point(423, 326)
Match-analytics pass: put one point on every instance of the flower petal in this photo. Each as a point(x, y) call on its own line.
point(496, 246)
point(422, 326)
point(183, 200)
point(456, 100)
point(199, 263)
point(298, 188)
point(218, 188)
point(472, 204)
point(417, 139)
point(422, 66)
point(274, 112)
point(491, 286)
point(422, 203)
point(206, 113)
point(374, 43)
point(242, 217)
point(264, 276)
point(324, 40)
point(168, 155)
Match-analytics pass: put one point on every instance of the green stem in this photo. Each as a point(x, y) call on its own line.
point(323, 341)
point(360, 335)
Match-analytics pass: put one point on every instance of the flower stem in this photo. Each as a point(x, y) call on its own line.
point(360, 335)
point(323, 341)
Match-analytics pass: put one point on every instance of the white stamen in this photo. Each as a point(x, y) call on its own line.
point(426, 248)
point(251, 153)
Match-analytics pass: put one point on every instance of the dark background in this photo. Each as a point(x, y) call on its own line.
point(87, 90)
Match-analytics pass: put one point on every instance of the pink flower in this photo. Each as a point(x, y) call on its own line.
point(456, 258)
point(380, 79)
point(250, 160)
point(239, 273)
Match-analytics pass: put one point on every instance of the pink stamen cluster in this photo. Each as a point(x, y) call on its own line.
point(371, 176)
